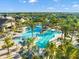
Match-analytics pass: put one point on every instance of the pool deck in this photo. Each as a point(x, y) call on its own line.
point(56, 37)
point(13, 51)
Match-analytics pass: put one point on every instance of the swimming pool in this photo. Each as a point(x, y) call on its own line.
point(46, 37)
point(43, 38)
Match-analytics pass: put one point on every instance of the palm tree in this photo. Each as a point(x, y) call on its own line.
point(2, 31)
point(43, 22)
point(77, 26)
point(65, 28)
point(30, 23)
point(8, 43)
point(65, 51)
point(30, 42)
point(54, 21)
point(68, 51)
point(51, 48)
point(25, 52)
point(27, 42)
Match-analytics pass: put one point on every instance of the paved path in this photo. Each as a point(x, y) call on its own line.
point(13, 50)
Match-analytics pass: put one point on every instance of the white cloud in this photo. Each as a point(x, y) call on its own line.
point(32, 1)
point(75, 5)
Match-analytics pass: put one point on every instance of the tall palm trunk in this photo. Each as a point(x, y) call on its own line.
point(54, 55)
point(8, 50)
point(32, 30)
point(72, 36)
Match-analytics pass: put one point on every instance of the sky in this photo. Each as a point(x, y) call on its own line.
point(39, 5)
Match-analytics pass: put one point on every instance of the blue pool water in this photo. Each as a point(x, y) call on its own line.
point(43, 38)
